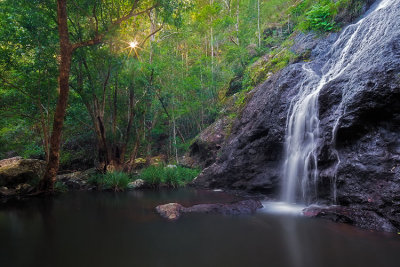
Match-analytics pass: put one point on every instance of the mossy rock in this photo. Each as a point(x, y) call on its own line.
point(17, 170)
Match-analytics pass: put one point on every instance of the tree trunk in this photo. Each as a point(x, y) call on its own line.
point(131, 116)
point(47, 183)
point(258, 23)
point(237, 22)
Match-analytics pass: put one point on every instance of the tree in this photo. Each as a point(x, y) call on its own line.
point(67, 49)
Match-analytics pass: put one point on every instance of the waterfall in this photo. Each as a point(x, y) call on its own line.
point(300, 169)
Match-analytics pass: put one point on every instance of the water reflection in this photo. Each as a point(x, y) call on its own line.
point(107, 229)
point(292, 240)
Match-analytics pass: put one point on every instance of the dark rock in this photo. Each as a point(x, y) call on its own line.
point(172, 211)
point(360, 156)
point(23, 189)
point(206, 146)
point(251, 157)
point(358, 217)
point(7, 192)
point(237, 208)
point(17, 170)
point(304, 43)
point(76, 180)
point(352, 11)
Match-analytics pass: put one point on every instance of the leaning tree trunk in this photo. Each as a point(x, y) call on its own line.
point(47, 183)
point(66, 51)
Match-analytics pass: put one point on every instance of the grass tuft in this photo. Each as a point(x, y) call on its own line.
point(175, 176)
point(117, 181)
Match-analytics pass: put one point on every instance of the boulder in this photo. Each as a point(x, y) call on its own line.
point(173, 211)
point(76, 180)
point(7, 192)
point(17, 170)
point(170, 211)
point(137, 184)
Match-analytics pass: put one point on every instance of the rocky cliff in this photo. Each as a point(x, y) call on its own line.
point(358, 145)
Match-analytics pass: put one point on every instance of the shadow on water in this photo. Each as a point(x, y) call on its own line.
point(107, 229)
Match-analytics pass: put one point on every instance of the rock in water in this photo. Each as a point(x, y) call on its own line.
point(172, 211)
point(17, 170)
point(358, 217)
point(137, 184)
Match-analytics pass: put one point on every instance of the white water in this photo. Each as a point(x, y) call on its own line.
point(282, 208)
point(300, 170)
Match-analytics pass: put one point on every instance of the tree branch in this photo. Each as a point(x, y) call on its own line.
point(151, 34)
point(99, 36)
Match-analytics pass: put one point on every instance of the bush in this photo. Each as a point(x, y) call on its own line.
point(175, 176)
point(320, 18)
point(117, 181)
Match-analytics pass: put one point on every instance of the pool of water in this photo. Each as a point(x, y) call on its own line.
point(122, 229)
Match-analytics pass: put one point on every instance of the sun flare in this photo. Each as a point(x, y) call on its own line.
point(133, 44)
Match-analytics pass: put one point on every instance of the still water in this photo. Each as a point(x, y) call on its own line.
point(107, 229)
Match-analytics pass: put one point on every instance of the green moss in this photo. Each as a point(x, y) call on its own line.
point(264, 68)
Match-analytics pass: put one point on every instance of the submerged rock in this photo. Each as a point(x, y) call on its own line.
point(172, 211)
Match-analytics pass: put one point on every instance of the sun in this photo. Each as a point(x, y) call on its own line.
point(133, 46)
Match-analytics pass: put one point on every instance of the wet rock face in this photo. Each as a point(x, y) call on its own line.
point(362, 153)
point(251, 158)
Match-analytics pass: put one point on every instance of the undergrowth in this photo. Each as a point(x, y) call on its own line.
point(174, 176)
point(117, 181)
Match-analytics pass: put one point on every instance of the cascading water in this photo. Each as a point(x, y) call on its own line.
point(300, 170)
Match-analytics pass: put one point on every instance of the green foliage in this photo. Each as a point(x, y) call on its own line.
point(117, 181)
point(320, 18)
point(174, 176)
point(177, 79)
